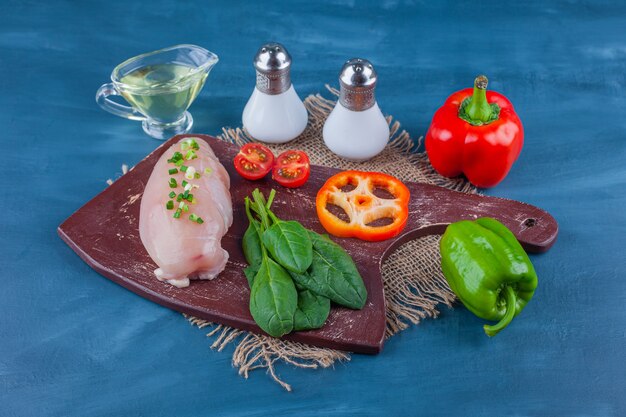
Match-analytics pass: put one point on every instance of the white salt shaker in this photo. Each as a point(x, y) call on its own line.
point(356, 128)
point(274, 113)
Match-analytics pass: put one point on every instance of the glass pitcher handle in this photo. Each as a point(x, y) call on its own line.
point(102, 98)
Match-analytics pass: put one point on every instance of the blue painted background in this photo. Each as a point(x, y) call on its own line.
point(73, 343)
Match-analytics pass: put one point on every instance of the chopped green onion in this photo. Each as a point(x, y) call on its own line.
point(193, 200)
point(180, 197)
point(177, 213)
point(184, 183)
point(172, 171)
point(190, 155)
point(208, 171)
point(190, 174)
point(169, 205)
point(173, 183)
point(185, 194)
point(184, 168)
point(172, 194)
point(195, 218)
point(197, 175)
point(180, 162)
point(176, 157)
point(189, 143)
point(188, 187)
point(186, 208)
point(189, 198)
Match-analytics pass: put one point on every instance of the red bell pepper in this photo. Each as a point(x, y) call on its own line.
point(477, 133)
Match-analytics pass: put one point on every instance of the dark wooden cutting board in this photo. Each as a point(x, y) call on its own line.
point(104, 233)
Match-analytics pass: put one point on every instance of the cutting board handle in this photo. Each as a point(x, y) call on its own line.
point(432, 209)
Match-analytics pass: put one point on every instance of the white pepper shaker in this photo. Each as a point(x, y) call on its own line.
point(356, 128)
point(274, 113)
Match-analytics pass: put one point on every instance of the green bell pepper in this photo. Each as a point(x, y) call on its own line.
point(488, 270)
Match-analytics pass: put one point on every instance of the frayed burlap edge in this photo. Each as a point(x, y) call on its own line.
point(413, 282)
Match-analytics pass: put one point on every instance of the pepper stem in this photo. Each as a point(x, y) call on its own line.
point(511, 304)
point(478, 107)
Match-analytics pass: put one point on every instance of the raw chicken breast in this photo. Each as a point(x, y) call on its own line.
point(185, 249)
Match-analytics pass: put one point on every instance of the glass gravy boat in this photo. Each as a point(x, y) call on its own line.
point(159, 86)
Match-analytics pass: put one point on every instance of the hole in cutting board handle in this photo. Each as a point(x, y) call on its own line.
point(530, 222)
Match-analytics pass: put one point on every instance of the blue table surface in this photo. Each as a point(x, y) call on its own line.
point(74, 343)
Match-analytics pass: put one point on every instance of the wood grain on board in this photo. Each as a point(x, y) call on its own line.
point(104, 233)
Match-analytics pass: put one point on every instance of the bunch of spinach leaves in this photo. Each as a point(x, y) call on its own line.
point(294, 273)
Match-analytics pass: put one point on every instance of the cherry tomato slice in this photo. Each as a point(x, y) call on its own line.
point(254, 161)
point(291, 169)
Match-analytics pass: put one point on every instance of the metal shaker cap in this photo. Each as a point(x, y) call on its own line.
point(273, 64)
point(357, 82)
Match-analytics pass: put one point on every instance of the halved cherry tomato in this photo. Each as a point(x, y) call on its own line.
point(254, 161)
point(291, 169)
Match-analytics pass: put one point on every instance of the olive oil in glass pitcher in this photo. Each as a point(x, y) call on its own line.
point(160, 86)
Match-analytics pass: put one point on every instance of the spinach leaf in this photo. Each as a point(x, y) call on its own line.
point(312, 310)
point(273, 299)
point(251, 245)
point(333, 274)
point(305, 280)
point(289, 244)
point(250, 272)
